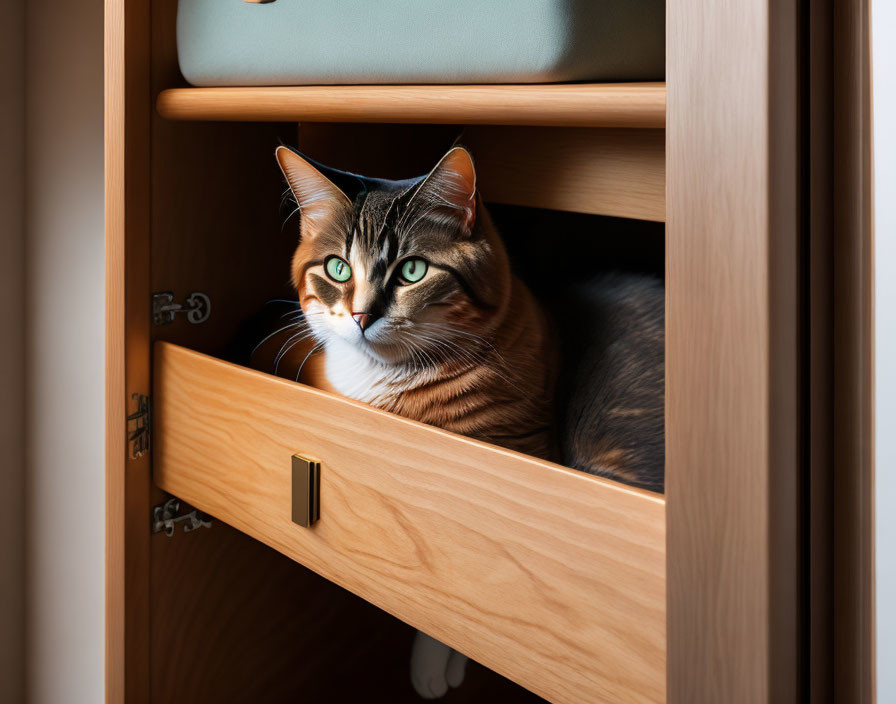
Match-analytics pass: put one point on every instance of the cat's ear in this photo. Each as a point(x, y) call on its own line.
point(320, 202)
point(450, 189)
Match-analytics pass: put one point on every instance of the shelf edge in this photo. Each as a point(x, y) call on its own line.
point(617, 105)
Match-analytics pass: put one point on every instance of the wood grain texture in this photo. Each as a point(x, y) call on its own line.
point(221, 597)
point(551, 577)
point(854, 648)
point(127, 112)
point(598, 171)
point(640, 105)
point(586, 170)
point(732, 457)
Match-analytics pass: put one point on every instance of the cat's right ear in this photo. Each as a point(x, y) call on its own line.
point(320, 202)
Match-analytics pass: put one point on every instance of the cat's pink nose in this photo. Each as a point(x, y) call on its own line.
point(364, 320)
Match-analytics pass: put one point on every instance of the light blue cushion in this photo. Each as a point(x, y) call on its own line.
point(296, 42)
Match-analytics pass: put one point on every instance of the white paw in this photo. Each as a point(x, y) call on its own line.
point(435, 667)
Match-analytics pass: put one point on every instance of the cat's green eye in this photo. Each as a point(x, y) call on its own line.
point(338, 269)
point(413, 270)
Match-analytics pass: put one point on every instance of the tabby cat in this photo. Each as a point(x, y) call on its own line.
point(408, 303)
point(407, 286)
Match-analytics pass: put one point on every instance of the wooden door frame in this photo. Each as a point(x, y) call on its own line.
point(853, 321)
point(128, 107)
point(769, 374)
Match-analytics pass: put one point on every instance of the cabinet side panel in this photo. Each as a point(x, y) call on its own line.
point(732, 426)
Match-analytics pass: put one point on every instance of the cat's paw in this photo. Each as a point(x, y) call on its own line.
point(435, 667)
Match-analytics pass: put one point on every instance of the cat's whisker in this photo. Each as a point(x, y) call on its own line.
point(421, 359)
point(474, 355)
point(457, 331)
point(472, 359)
point(416, 361)
point(417, 358)
point(300, 336)
point(284, 350)
point(276, 332)
point(308, 356)
point(428, 356)
point(445, 353)
point(288, 218)
point(491, 348)
point(453, 331)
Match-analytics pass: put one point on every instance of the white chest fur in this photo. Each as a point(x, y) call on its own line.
point(356, 375)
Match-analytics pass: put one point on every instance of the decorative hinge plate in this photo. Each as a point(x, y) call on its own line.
point(165, 519)
point(139, 427)
point(198, 307)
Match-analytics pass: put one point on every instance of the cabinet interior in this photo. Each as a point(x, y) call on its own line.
point(232, 619)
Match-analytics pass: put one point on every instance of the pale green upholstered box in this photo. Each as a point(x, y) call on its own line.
point(295, 42)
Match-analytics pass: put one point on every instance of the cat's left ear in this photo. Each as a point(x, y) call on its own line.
point(321, 202)
point(450, 189)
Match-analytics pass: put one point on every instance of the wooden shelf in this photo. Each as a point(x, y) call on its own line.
point(637, 105)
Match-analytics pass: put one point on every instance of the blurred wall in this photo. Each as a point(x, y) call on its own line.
point(12, 349)
point(883, 31)
point(64, 313)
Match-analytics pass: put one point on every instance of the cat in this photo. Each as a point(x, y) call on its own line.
point(408, 302)
point(408, 288)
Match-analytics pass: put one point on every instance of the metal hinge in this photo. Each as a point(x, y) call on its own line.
point(139, 425)
point(197, 307)
point(165, 518)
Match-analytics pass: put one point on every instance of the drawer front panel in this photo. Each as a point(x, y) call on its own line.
point(553, 578)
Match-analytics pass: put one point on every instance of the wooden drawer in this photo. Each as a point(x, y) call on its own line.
point(551, 577)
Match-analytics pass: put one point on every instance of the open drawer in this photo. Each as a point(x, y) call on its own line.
point(551, 577)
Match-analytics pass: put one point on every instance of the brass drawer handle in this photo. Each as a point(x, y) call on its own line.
point(305, 491)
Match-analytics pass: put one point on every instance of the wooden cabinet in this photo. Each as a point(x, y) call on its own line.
point(578, 589)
